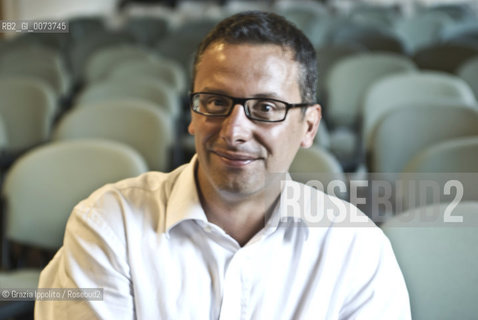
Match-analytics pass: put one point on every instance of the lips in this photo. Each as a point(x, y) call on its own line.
point(235, 159)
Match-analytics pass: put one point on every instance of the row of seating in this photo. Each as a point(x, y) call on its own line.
point(31, 108)
point(404, 88)
point(363, 88)
point(176, 38)
point(413, 25)
point(346, 96)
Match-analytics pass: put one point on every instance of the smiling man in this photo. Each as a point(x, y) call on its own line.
point(211, 239)
point(240, 144)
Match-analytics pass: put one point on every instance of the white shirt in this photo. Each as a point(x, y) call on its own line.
point(148, 243)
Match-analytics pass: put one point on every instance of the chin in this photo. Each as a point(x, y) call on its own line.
point(241, 187)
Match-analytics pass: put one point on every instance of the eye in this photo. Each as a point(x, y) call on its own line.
point(265, 106)
point(216, 104)
point(267, 110)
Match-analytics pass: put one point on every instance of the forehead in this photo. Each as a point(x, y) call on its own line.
point(259, 65)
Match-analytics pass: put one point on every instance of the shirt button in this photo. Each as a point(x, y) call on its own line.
point(208, 229)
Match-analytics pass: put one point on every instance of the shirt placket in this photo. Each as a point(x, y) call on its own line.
point(236, 289)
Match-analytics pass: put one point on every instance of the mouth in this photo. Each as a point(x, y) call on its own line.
point(235, 159)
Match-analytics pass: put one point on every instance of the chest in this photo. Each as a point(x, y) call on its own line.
point(202, 276)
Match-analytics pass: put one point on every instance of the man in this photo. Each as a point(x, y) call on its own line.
point(214, 239)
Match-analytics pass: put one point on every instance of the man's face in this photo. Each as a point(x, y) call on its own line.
point(237, 154)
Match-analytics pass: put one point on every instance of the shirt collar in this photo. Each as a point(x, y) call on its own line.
point(281, 216)
point(183, 203)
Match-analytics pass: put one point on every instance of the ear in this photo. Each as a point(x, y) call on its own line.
point(312, 118)
point(191, 128)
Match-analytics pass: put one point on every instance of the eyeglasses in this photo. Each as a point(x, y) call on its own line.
point(259, 109)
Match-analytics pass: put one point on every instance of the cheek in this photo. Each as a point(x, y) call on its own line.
point(197, 125)
point(287, 142)
point(281, 143)
point(202, 129)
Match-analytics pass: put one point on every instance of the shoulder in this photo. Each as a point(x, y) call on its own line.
point(337, 224)
point(149, 184)
point(318, 209)
point(131, 203)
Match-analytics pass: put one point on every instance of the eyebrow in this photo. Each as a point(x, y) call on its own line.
point(270, 95)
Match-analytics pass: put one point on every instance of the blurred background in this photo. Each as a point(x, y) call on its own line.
point(96, 91)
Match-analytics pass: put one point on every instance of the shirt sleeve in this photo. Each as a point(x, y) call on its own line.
point(378, 287)
point(92, 256)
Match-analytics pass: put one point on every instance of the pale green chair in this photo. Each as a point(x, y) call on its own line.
point(137, 123)
point(468, 71)
point(406, 131)
point(438, 259)
point(146, 88)
point(411, 89)
point(28, 107)
point(317, 164)
point(39, 192)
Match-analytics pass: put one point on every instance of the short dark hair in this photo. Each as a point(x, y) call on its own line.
point(257, 27)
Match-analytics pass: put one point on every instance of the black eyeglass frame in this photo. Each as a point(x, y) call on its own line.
point(242, 102)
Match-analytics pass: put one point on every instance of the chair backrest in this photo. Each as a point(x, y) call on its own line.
point(43, 186)
point(406, 131)
point(28, 107)
point(37, 60)
point(180, 43)
point(377, 16)
point(164, 69)
point(84, 46)
point(421, 30)
point(147, 29)
point(56, 41)
point(312, 18)
point(445, 57)
point(153, 90)
point(104, 60)
point(420, 88)
point(456, 155)
point(81, 27)
point(136, 123)
point(458, 11)
point(443, 162)
point(468, 71)
point(322, 138)
point(463, 32)
point(317, 164)
point(327, 57)
point(3, 135)
point(349, 79)
point(371, 37)
point(459, 29)
point(58, 81)
point(438, 259)
point(31, 53)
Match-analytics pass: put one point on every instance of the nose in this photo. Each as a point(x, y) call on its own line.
point(236, 127)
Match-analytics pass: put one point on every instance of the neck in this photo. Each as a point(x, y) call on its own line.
point(240, 216)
